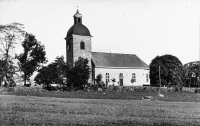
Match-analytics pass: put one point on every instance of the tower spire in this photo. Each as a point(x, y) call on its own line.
point(77, 17)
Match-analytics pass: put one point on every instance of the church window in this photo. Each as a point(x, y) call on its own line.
point(147, 77)
point(82, 45)
point(107, 78)
point(79, 20)
point(134, 77)
point(68, 46)
point(121, 75)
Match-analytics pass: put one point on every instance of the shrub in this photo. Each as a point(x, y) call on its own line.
point(113, 80)
point(116, 88)
point(10, 89)
point(98, 78)
point(2, 89)
point(132, 80)
point(197, 90)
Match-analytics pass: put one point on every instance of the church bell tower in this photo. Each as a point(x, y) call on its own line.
point(78, 41)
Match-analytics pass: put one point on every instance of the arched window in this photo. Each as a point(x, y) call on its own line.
point(134, 77)
point(82, 45)
point(120, 79)
point(147, 77)
point(121, 75)
point(79, 20)
point(107, 78)
point(68, 47)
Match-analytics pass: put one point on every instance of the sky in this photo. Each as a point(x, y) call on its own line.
point(147, 28)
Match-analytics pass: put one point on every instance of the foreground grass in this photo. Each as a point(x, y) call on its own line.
point(31, 110)
point(130, 95)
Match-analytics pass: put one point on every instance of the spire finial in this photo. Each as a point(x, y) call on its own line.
point(77, 9)
point(77, 14)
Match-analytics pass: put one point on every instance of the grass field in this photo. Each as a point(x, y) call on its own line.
point(130, 95)
point(32, 110)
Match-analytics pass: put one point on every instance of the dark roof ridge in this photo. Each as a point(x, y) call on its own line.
point(114, 53)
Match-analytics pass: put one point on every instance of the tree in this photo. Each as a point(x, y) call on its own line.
point(7, 72)
point(10, 35)
point(192, 73)
point(46, 75)
point(98, 78)
point(171, 71)
point(62, 68)
point(55, 72)
point(32, 57)
point(2, 70)
point(99, 81)
point(79, 74)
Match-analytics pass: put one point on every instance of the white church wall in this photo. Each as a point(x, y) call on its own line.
point(127, 76)
point(147, 80)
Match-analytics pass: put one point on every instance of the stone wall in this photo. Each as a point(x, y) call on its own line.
point(77, 52)
point(69, 51)
point(84, 53)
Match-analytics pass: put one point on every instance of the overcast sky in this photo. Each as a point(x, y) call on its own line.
point(146, 28)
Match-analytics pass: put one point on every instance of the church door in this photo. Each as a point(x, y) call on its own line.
point(121, 79)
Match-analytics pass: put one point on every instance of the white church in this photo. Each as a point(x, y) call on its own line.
point(126, 69)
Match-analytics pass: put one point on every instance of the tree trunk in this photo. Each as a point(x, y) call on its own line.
point(71, 86)
point(5, 81)
point(24, 79)
point(190, 83)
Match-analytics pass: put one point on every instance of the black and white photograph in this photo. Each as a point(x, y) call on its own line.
point(99, 62)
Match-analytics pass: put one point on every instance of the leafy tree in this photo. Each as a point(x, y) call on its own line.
point(55, 72)
point(6, 73)
point(98, 78)
point(99, 81)
point(32, 57)
point(79, 74)
point(2, 70)
point(62, 68)
point(10, 36)
point(171, 71)
point(46, 75)
point(192, 73)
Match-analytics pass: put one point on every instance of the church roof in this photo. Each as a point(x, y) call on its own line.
point(116, 60)
point(77, 14)
point(78, 29)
